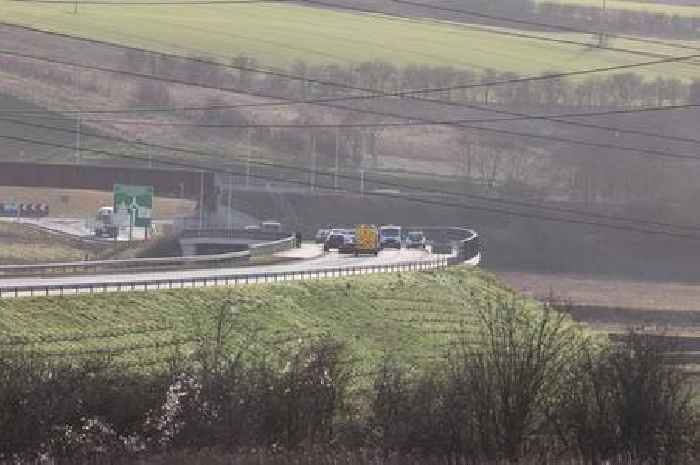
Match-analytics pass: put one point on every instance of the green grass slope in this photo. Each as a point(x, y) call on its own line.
point(277, 35)
point(411, 315)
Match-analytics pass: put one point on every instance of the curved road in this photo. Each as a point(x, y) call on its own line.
point(331, 261)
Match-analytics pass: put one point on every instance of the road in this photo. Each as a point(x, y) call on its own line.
point(108, 282)
point(80, 227)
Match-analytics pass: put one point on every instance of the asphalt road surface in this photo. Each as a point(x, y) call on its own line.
point(107, 282)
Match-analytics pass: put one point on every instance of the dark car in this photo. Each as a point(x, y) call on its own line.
point(348, 243)
point(335, 240)
point(442, 247)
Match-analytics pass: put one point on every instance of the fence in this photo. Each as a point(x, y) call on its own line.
point(218, 280)
point(148, 263)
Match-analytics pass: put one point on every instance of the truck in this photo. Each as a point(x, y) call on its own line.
point(105, 226)
point(366, 240)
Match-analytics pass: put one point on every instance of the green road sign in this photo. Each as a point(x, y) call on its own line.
point(133, 200)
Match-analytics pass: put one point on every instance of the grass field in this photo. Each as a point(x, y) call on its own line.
point(277, 35)
point(411, 315)
point(631, 5)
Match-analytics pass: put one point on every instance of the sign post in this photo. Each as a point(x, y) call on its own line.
point(133, 206)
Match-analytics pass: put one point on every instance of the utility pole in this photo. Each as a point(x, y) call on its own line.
point(201, 201)
point(313, 162)
point(362, 183)
point(249, 135)
point(337, 152)
point(78, 119)
point(75, 7)
point(230, 193)
point(602, 37)
point(77, 139)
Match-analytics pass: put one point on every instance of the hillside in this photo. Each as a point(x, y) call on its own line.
point(413, 315)
point(279, 35)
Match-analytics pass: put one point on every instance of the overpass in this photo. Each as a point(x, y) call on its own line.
point(166, 182)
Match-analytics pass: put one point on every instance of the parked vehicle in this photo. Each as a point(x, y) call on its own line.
point(322, 235)
point(252, 227)
point(335, 240)
point(348, 245)
point(105, 225)
point(271, 226)
point(415, 240)
point(442, 247)
point(390, 237)
point(367, 240)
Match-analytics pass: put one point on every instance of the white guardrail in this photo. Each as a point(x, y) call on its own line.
point(255, 250)
point(231, 279)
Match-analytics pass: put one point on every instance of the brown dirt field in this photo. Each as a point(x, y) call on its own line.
point(74, 203)
point(586, 290)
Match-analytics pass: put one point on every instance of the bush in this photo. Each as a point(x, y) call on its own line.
point(525, 387)
point(628, 401)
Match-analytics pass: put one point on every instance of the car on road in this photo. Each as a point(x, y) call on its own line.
point(335, 240)
point(271, 226)
point(390, 237)
point(348, 245)
point(415, 240)
point(442, 247)
point(322, 235)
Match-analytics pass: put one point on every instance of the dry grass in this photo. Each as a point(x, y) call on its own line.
point(25, 244)
point(84, 203)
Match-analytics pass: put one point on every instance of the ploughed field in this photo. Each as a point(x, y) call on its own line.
point(615, 305)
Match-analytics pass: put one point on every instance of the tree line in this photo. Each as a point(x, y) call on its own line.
point(626, 89)
point(624, 21)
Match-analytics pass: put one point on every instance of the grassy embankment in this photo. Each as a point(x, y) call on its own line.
point(411, 315)
point(278, 35)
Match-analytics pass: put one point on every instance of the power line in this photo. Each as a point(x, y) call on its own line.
point(558, 27)
point(666, 59)
point(173, 109)
point(388, 125)
point(380, 125)
point(505, 19)
point(549, 138)
point(520, 35)
point(414, 92)
point(417, 4)
point(221, 170)
point(410, 94)
point(434, 7)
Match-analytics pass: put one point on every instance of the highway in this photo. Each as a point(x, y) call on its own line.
point(109, 282)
